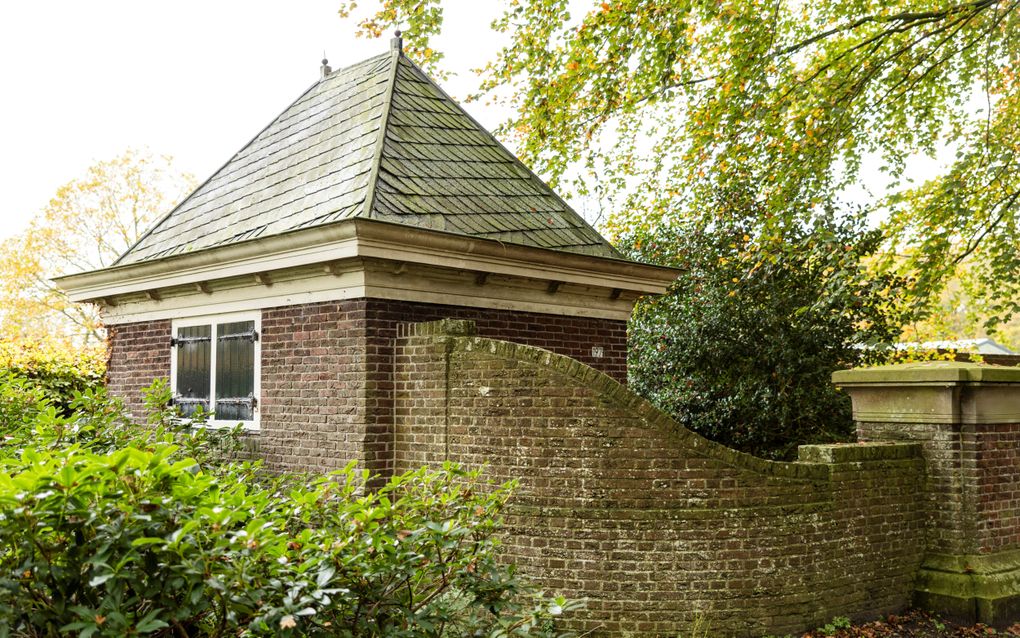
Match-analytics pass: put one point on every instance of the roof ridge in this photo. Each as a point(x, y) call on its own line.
point(373, 177)
point(155, 226)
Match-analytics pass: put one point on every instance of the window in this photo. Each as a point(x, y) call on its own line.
point(214, 365)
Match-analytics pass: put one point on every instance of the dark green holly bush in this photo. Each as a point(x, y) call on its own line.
point(742, 347)
point(111, 529)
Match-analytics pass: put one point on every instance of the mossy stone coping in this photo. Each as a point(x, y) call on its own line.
point(858, 452)
point(928, 372)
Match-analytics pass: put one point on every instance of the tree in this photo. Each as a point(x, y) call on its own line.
point(654, 105)
point(742, 347)
point(89, 222)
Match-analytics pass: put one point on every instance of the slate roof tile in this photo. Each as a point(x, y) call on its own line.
point(384, 120)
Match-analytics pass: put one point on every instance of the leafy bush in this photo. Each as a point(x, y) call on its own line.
point(742, 347)
point(111, 529)
point(20, 400)
point(97, 422)
point(55, 371)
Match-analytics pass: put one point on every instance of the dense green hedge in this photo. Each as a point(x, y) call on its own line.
point(57, 372)
point(109, 529)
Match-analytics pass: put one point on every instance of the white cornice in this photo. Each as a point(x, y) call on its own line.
point(330, 243)
point(341, 250)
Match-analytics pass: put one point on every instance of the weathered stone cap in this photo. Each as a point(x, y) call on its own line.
point(928, 372)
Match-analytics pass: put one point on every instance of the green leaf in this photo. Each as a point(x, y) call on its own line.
point(150, 623)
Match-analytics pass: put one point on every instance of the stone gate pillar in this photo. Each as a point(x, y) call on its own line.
point(967, 418)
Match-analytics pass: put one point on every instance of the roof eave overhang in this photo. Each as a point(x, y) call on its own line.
point(362, 238)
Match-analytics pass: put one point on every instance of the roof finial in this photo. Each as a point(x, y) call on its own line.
point(397, 43)
point(325, 66)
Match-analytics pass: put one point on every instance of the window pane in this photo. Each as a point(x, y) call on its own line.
point(235, 370)
point(192, 383)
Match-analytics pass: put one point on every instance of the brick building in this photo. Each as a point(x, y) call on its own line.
point(272, 295)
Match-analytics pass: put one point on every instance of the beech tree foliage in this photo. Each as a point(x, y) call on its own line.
point(654, 105)
point(87, 224)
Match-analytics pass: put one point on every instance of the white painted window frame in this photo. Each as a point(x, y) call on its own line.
point(211, 320)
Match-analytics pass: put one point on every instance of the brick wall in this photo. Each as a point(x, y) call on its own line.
point(650, 523)
point(946, 494)
point(139, 353)
point(998, 506)
point(654, 526)
point(313, 391)
point(973, 496)
point(327, 378)
point(571, 336)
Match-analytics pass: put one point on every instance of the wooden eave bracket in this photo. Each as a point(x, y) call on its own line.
point(553, 287)
point(153, 295)
point(263, 278)
point(332, 268)
point(481, 278)
point(203, 286)
point(615, 293)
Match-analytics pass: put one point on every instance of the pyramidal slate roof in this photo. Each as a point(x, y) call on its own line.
point(377, 140)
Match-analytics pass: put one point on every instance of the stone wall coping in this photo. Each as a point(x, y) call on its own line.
point(928, 372)
point(935, 392)
point(858, 452)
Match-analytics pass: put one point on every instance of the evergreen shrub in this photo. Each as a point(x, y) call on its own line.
point(113, 529)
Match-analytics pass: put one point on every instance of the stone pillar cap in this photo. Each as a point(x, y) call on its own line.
point(940, 372)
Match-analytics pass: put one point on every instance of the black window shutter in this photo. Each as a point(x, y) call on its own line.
point(235, 371)
point(193, 345)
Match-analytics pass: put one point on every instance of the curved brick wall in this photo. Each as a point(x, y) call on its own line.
point(652, 524)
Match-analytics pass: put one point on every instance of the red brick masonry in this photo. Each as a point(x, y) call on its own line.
point(649, 523)
point(655, 527)
point(327, 377)
point(139, 353)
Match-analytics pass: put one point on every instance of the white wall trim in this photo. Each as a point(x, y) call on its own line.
point(416, 283)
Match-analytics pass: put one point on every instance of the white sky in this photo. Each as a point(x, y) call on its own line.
point(83, 81)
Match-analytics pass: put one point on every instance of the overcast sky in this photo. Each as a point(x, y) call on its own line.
point(83, 81)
